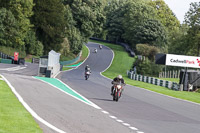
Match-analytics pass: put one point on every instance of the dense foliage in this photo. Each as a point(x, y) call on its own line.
point(38, 26)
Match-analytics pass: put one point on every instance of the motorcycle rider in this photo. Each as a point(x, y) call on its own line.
point(87, 72)
point(118, 79)
point(100, 46)
point(87, 68)
point(95, 50)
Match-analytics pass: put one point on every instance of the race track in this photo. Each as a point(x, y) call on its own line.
point(137, 111)
point(148, 111)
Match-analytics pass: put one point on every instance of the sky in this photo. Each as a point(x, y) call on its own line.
point(180, 7)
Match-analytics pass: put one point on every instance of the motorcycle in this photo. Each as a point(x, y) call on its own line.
point(87, 74)
point(95, 50)
point(100, 47)
point(117, 91)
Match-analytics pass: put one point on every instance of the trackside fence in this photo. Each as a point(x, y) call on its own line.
point(155, 81)
point(71, 61)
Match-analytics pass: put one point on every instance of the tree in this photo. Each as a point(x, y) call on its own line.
point(192, 18)
point(168, 19)
point(88, 15)
point(115, 11)
point(49, 23)
point(179, 43)
point(32, 45)
point(22, 11)
point(147, 51)
point(165, 15)
point(151, 32)
point(8, 28)
point(83, 18)
point(137, 13)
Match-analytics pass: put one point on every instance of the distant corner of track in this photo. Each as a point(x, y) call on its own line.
point(76, 66)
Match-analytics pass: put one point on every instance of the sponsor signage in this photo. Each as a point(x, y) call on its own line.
point(182, 61)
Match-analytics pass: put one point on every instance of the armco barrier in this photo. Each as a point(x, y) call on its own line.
point(6, 61)
point(71, 61)
point(151, 80)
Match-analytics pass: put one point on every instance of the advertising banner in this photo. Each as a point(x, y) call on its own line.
point(182, 61)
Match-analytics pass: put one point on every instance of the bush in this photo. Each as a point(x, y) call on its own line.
point(10, 51)
point(33, 46)
point(143, 49)
point(147, 50)
point(148, 68)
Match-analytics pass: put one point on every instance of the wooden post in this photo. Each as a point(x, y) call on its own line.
point(168, 74)
point(178, 73)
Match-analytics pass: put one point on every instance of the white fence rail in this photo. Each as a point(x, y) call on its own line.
point(170, 74)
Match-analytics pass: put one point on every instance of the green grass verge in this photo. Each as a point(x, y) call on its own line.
point(122, 62)
point(84, 55)
point(66, 68)
point(85, 52)
point(10, 51)
point(14, 118)
point(170, 79)
point(70, 56)
point(29, 58)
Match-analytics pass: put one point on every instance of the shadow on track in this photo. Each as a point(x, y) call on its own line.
point(101, 99)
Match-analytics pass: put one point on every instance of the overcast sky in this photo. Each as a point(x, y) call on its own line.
point(179, 7)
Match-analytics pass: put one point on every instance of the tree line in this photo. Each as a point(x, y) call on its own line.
point(37, 26)
point(148, 26)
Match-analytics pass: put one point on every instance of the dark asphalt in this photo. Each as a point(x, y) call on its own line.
point(57, 108)
point(148, 111)
point(28, 69)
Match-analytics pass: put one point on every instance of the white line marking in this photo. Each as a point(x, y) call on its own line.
point(105, 112)
point(13, 68)
point(9, 68)
point(109, 64)
point(126, 124)
point(91, 103)
point(113, 117)
point(120, 121)
point(133, 128)
point(56, 74)
point(19, 68)
point(139, 132)
point(29, 109)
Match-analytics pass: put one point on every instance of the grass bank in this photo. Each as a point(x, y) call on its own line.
point(123, 62)
point(170, 79)
point(84, 55)
point(10, 51)
point(14, 118)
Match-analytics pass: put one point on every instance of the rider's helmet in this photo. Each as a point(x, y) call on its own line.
point(119, 76)
point(87, 65)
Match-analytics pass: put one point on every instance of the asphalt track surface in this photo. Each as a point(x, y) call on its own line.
point(140, 110)
point(148, 111)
